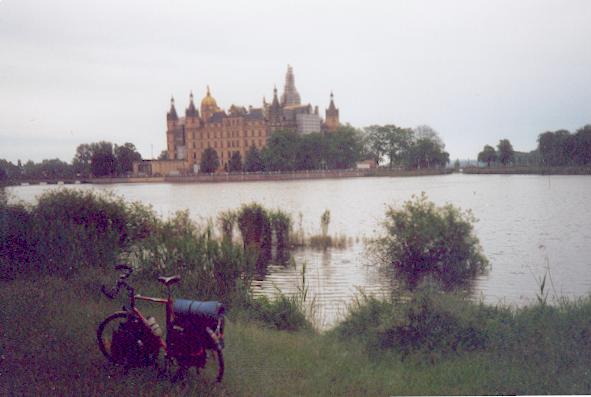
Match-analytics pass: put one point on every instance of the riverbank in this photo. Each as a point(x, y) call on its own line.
point(242, 177)
point(528, 170)
point(48, 347)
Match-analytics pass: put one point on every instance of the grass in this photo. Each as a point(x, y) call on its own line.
point(48, 347)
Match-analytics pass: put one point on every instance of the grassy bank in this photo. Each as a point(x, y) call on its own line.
point(48, 347)
point(533, 170)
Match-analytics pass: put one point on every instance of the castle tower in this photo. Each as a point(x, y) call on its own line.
point(290, 95)
point(332, 115)
point(191, 111)
point(275, 113)
point(208, 106)
point(172, 120)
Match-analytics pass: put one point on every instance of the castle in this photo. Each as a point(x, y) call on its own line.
point(235, 130)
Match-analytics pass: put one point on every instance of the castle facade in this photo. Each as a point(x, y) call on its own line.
point(238, 128)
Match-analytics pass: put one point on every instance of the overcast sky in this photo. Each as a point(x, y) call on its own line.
point(74, 71)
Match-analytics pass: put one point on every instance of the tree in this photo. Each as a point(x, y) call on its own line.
point(235, 163)
point(253, 161)
point(55, 169)
point(125, 156)
point(422, 239)
point(425, 153)
point(280, 152)
point(343, 148)
point(311, 152)
point(425, 131)
point(506, 152)
point(209, 160)
point(163, 155)
point(103, 161)
point(488, 155)
point(389, 141)
point(3, 174)
point(82, 160)
point(582, 150)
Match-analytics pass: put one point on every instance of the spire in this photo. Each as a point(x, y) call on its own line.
point(331, 107)
point(275, 102)
point(290, 93)
point(171, 115)
point(191, 111)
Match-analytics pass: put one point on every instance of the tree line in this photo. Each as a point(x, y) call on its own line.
point(91, 160)
point(398, 147)
point(289, 151)
point(555, 149)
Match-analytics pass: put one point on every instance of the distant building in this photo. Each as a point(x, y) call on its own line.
point(239, 128)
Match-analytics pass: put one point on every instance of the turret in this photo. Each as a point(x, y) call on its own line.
point(191, 111)
point(171, 126)
point(332, 115)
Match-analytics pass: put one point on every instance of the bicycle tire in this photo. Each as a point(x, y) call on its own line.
point(104, 339)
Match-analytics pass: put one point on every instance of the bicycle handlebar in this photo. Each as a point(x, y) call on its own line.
point(121, 283)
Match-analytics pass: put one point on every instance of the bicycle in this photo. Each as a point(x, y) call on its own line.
point(193, 328)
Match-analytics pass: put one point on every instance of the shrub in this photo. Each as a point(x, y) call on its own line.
point(70, 229)
point(429, 323)
point(255, 228)
point(283, 313)
point(281, 224)
point(211, 269)
point(422, 239)
point(227, 220)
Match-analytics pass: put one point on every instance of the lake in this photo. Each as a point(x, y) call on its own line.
point(527, 224)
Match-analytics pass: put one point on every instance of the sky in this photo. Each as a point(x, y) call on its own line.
point(476, 71)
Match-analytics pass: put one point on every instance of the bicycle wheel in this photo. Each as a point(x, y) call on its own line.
point(104, 335)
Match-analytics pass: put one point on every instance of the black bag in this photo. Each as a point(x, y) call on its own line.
point(134, 345)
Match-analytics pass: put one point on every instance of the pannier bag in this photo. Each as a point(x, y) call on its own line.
point(192, 319)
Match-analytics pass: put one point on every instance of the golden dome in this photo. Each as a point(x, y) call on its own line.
point(208, 100)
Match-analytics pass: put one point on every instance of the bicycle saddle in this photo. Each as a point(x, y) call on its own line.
point(168, 281)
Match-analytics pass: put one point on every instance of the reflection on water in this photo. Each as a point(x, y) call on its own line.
point(525, 223)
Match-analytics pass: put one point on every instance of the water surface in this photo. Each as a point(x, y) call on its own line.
point(527, 223)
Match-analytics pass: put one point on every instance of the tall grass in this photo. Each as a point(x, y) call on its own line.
point(68, 230)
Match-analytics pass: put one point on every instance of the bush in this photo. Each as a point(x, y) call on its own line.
point(211, 269)
point(422, 239)
point(429, 323)
point(68, 230)
point(255, 228)
point(283, 313)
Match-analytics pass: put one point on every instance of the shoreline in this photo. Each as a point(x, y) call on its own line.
point(243, 177)
point(528, 171)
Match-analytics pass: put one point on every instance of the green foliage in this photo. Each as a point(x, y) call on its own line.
point(422, 239)
point(227, 220)
point(235, 163)
point(253, 161)
point(389, 141)
point(212, 268)
point(406, 148)
point(209, 160)
point(561, 148)
point(103, 161)
point(281, 223)
point(255, 227)
point(125, 156)
point(506, 152)
point(280, 152)
point(488, 155)
point(282, 313)
point(68, 230)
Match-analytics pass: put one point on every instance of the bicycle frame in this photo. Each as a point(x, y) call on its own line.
point(169, 314)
